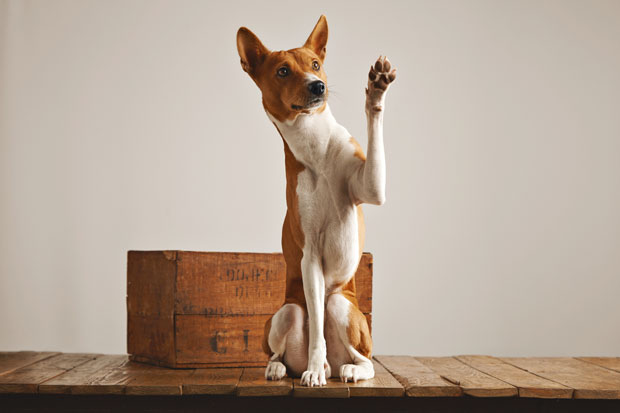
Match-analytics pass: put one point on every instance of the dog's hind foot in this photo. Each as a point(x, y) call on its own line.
point(275, 370)
point(355, 372)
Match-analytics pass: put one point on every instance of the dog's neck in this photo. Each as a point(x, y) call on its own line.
point(309, 136)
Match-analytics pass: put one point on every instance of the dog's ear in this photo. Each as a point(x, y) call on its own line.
point(251, 50)
point(317, 41)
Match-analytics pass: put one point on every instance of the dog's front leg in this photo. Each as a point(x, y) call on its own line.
point(368, 184)
point(314, 291)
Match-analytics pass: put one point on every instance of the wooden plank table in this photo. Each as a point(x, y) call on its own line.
point(32, 380)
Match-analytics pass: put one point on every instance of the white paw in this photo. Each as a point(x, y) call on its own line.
point(275, 370)
point(349, 372)
point(313, 378)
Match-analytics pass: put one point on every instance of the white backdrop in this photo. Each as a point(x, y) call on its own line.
point(130, 125)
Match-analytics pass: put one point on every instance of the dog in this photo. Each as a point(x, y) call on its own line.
point(319, 329)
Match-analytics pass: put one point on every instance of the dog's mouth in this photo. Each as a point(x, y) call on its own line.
point(312, 104)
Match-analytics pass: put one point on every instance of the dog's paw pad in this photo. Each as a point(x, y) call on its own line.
point(275, 370)
point(381, 74)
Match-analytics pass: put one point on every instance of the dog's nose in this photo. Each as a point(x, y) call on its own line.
point(317, 87)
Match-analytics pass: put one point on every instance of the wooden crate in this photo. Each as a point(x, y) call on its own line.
point(208, 309)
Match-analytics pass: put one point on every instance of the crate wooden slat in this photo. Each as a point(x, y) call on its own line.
point(217, 283)
point(588, 380)
point(472, 381)
point(222, 334)
point(213, 283)
point(529, 385)
point(417, 379)
point(254, 384)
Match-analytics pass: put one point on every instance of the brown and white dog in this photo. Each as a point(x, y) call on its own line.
point(319, 329)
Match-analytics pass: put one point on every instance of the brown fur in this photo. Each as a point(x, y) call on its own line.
point(292, 233)
point(358, 332)
point(359, 152)
point(265, 342)
point(292, 240)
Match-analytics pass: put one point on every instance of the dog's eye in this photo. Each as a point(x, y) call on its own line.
point(283, 71)
point(315, 65)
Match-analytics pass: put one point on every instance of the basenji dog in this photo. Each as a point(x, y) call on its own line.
point(319, 330)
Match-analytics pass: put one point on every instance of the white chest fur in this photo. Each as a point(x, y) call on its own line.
point(327, 211)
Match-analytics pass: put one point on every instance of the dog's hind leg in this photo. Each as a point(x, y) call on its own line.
point(349, 344)
point(285, 341)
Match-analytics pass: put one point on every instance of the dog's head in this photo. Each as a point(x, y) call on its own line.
point(292, 81)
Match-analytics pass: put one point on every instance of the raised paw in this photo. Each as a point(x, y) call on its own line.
point(380, 77)
point(381, 74)
point(275, 370)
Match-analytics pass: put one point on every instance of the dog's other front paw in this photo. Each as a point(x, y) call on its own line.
point(275, 370)
point(380, 77)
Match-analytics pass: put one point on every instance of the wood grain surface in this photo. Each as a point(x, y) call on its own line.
point(382, 385)
point(529, 385)
point(10, 361)
point(254, 384)
point(589, 381)
point(82, 377)
point(441, 377)
point(611, 363)
point(220, 339)
point(150, 304)
point(113, 380)
point(472, 381)
point(418, 379)
point(27, 379)
point(333, 389)
point(222, 381)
